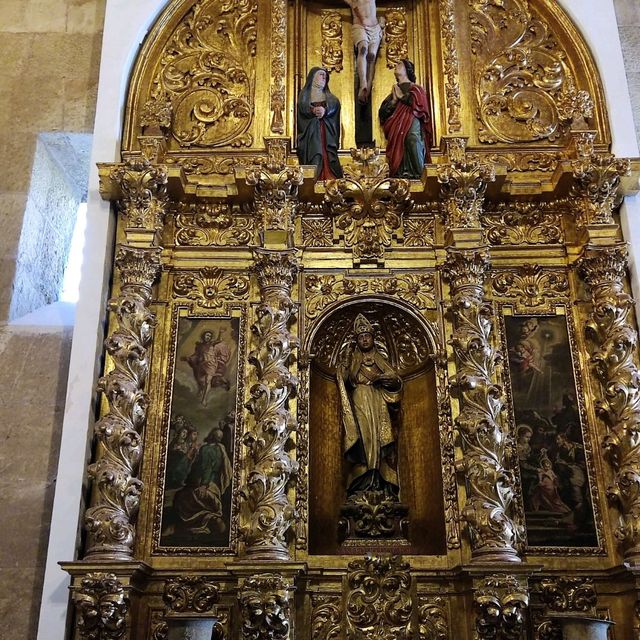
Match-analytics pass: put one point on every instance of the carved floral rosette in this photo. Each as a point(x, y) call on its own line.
point(102, 607)
point(265, 605)
point(610, 329)
point(485, 444)
point(270, 514)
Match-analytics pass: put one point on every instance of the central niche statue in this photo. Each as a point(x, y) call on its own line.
point(368, 386)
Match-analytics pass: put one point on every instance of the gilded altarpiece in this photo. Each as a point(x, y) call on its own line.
point(368, 405)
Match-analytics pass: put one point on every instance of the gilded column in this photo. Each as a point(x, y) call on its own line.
point(485, 443)
point(110, 520)
point(270, 514)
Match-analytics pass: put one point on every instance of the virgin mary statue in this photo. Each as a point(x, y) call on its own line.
point(368, 384)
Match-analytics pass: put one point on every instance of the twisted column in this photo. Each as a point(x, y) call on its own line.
point(269, 512)
point(110, 520)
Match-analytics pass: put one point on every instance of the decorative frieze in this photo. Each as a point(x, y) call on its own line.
point(190, 593)
point(530, 285)
point(211, 287)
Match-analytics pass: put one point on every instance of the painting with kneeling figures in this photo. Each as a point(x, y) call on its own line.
point(549, 436)
point(197, 499)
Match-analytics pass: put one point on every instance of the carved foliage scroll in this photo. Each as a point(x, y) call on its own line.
point(500, 603)
point(205, 81)
point(331, 29)
point(524, 223)
point(433, 618)
point(265, 605)
point(326, 617)
point(211, 287)
point(278, 64)
point(395, 36)
point(524, 87)
point(190, 593)
point(451, 68)
point(206, 225)
point(530, 285)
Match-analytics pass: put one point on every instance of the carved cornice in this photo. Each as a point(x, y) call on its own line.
point(379, 597)
point(265, 607)
point(270, 515)
point(211, 287)
point(611, 329)
point(102, 606)
point(190, 593)
point(500, 603)
point(597, 185)
point(110, 521)
point(490, 484)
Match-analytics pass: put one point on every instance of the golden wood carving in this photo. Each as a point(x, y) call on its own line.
point(270, 467)
point(278, 64)
point(451, 66)
point(524, 88)
point(532, 285)
point(102, 607)
point(379, 602)
point(326, 617)
point(395, 36)
point(302, 453)
point(500, 603)
point(521, 161)
point(331, 40)
point(490, 484)
point(368, 206)
point(433, 618)
point(190, 593)
point(611, 330)
point(211, 287)
point(524, 223)
point(206, 225)
point(317, 233)
point(418, 232)
point(265, 606)
point(207, 73)
point(110, 521)
point(597, 186)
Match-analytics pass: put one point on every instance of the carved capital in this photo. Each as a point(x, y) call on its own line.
point(138, 268)
point(101, 606)
point(368, 206)
point(144, 199)
point(604, 269)
point(500, 603)
point(265, 606)
point(276, 272)
point(597, 185)
point(463, 186)
point(466, 271)
point(379, 597)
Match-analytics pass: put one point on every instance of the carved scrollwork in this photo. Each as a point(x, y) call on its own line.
point(207, 74)
point(419, 232)
point(568, 594)
point(451, 68)
point(611, 330)
point(323, 290)
point(326, 616)
point(206, 225)
point(379, 602)
point(265, 606)
point(416, 289)
point(368, 211)
point(278, 64)
point(190, 593)
point(101, 606)
point(395, 35)
point(270, 514)
point(519, 162)
point(433, 618)
point(525, 89)
point(524, 223)
point(531, 285)
point(597, 185)
point(490, 484)
point(331, 30)
point(500, 603)
point(211, 287)
point(110, 521)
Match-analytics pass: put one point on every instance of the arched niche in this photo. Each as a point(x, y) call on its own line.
point(409, 344)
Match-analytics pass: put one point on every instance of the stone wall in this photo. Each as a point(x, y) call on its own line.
point(628, 14)
point(50, 51)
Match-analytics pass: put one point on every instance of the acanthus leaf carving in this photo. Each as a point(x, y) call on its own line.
point(395, 36)
point(531, 285)
point(190, 593)
point(451, 67)
point(379, 601)
point(265, 606)
point(500, 602)
point(331, 30)
point(205, 225)
point(207, 74)
point(611, 330)
point(416, 289)
point(102, 607)
point(278, 64)
point(269, 512)
point(524, 223)
point(110, 521)
point(323, 290)
point(524, 87)
point(568, 594)
point(211, 287)
point(326, 616)
point(419, 232)
point(433, 618)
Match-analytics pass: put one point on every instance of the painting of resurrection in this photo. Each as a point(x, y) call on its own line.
point(200, 444)
point(550, 443)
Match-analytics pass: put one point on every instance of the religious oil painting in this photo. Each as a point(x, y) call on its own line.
point(198, 480)
point(550, 442)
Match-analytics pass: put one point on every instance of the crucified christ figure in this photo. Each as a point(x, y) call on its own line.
point(367, 36)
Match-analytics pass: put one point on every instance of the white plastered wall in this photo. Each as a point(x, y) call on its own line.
point(126, 24)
